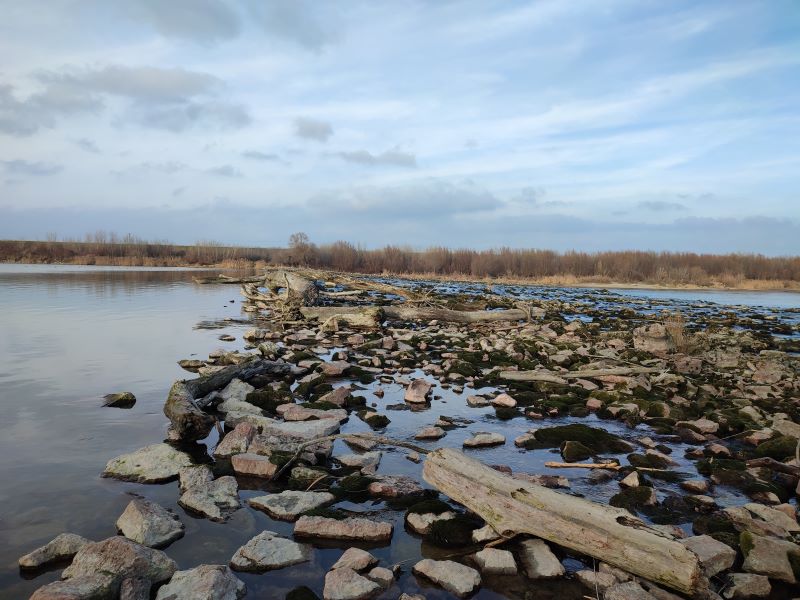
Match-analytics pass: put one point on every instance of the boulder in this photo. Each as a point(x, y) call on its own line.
point(98, 586)
point(119, 400)
point(538, 561)
point(62, 547)
point(254, 465)
point(714, 555)
point(595, 580)
point(652, 338)
point(268, 551)
point(205, 582)
point(290, 504)
point(769, 556)
point(367, 462)
point(338, 396)
point(236, 442)
point(743, 586)
point(421, 523)
point(477, 401)
point(157, 463)
point(395, 486)
point(382, 576)
point(149, 524)
point(454, 577)
point(346, 584)
point(483, 439)
point(504, 401)
point(212, 498)
point(629, 590)
point(492, 561)
point(418, 391)
point(352, 528)
point(356, 559)
point(430, 433)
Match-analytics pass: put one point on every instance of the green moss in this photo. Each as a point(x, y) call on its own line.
point(353, 487)
point(794, 561)
point(268, 399)
point(504, 413)
point(464, 369)
point(328, 513)
point(657, 409)
point(355, 401)
point(575, 451)
point(727, 538)
point(779, 447)
point(374, 420)
point(598, 440)
point(301, 593)
point(746, 542)
point(647, 461)
point(280, 458)
point(632, 499)
point(430, 506)
point(320, 405)
point(713, 523)
point(452, 533)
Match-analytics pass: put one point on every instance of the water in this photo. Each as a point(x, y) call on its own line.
point(69, 335)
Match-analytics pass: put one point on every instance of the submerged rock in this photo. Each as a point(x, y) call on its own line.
point(356, 559)
point(395, 486)
point(430, 433)
point(213, 498)
point(205, 582)
point(156, 463)
point(483, 439)
point(346, 584)
point(61, 547)
point(99, 586)
point(492, 561)
point(352, 528)
point(119, 400)
point(149, 524)
point(254, 465)
point(289, 505)
point(454, 577)
point(268, 551)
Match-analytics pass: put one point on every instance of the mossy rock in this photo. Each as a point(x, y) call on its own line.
point(324, 405)
point(575, 451)
point(353, 401)
point(301, 477)
point(431, 506)
point(280, 457)
point(328, 513)
point(779, 448)
point(504, 413)
point(647, 461)
point(301, 593)
point(353, 487)
point(269, 399)
point(632, 499)
point(464, 369)
point(717, 522)
point(746, 543)
point(452, 533)
point(374, 420)
point(598, 440)
point(578, 411)
point(657, 409)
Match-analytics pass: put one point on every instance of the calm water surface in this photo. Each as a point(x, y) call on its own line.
point(69, 335)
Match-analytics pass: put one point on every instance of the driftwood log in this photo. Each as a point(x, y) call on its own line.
point(189, 421)
point(511, 507)
point(372, 316)
point(552, 377)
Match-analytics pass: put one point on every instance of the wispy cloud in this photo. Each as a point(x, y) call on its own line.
point(392, 158)
point(312, 129)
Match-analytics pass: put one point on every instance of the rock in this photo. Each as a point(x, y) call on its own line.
point(294, 412)
point(156, 463)
point(213, 498)
point(477, 401)
point(368, 462)
point(786, 427)
point(430, 433)
point(119, 400)
point(405, 596)
point(300, 430)
point(345, 584)
point(538, 560)
point(742, 586)
point(504, 400)
point(714, 555)
point(702, 425)
point(482, 439)
point(149, 524)
point(395, 486)
point(134, 588)
point(235, 392)
point(594, 404)
point(421, 522)
point(62, 547)
point(98, 586)
point(774, 516)
point(236, 442)
point(595, 579)
point(484, 534)
point(653, 339)
point(268, 551)
point(290, 504)
point(768, 556)
point(696, 486)
point(631, 480)
point(630, 590)
point(205, 582)
point(352, 528)
point(382, 576)
point(454, 577)
point(356, 559)
point(417, 392)
point(572, 451)
point(121, 558)
point(338, 396)
point(253, 465)
point(492, 561)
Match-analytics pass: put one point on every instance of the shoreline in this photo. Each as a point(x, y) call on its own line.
point(556, 282)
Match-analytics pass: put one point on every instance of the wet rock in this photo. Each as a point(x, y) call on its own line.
point(254, 465)
point(121, 558)
point(714, 555)
point(352, 528)
point(421, 523)
point(268, 551)
point(149, 524)
point(395, 486)
point(504, 400)
point(743, 586)
point(205, 582)
point(631, 480)
point(345, 584)
point(418, 391)
point(119, 400)
point(484, 534)
point(538, 561)
point(454, 577)
point(134, 588)
point(774, 517)
point(234, 398)
point(339, 396)
point(289, 505)
point(382, 576)
point(595, 580)
point(213, 498)
point(483, 439)
point(430, 433)
point(156, 463)
point(301, 430)
point(236, 442)
point(696, 486)
point(575, 451)
point(367, 462)
point(630, 590)
point(356, 559)
point(653, 339)
point(768, 556)
point(62, 547)
point(98, 586)
point(477, 401)
point(492, 561)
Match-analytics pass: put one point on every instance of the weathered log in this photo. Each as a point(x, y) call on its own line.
point(511, 507)
point(368, 317)
point(189, 421)
point(298, 289)
point(585, 374)
point(413, 313)
point(774, 465)
point(229, 280)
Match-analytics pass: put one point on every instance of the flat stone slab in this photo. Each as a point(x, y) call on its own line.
point(212, 498)
point(492, 561)
point(253, 465)
point(205, 582)
point(395, 486)
point(149, 524)
point(268, 551)
point(346, 584)
point(714, 555)
point(368, 461)
point(421, 522)
point(352, 528)
point(538, 560)
point(236, 441)
point(156, 463)
point(430, 433)
point(770, 557)
point(356, 559)
point(417, 392)
point(483, 439)
point(456, 578)
point(290, 504)
point(305, 430)
point(62, 547)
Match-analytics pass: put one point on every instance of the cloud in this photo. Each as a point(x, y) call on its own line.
point(393, 158)
point(181, 117)
point(305, 22)
point(34, 169)
point(203, 21)
point(312, 129)
point(257, 155)
point(87, 145)
point(661, 205)
point(224, 171)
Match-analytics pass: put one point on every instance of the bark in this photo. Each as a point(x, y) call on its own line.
point(585, 374)
point(403, 312)
point(298, 288)
point(610, 534)
point(369, 317)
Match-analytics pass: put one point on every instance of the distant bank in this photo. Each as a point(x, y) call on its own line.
point(624, 269)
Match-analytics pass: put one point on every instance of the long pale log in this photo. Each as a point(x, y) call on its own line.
point(585, 374)
point(413, 313)
point(511, 506)
point(368, 317)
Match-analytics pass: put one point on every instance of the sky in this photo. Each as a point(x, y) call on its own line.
point(581, 124)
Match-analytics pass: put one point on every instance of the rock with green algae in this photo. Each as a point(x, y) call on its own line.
point(157, 463)
point(598, 440)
